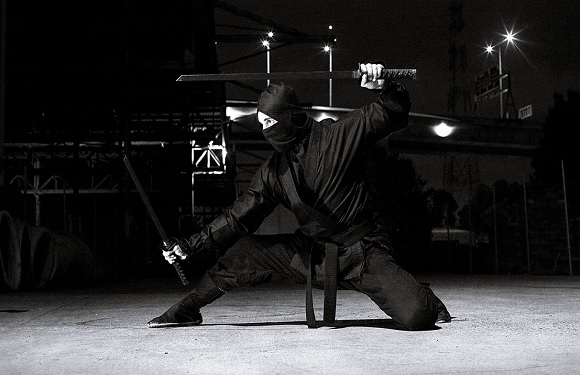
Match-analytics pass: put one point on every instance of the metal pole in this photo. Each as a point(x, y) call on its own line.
point(268, 63)
point(501, 114)
point(36, 185)
point(192, 181)
point(527, 228)
point(495, 233)
point(469, 219)
point(330, 80)
point(566, 215)
point(2, 86)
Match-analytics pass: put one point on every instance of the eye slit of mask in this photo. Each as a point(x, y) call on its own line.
point(266, 120)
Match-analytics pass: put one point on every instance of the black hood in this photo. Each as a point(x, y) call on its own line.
point(281, 103)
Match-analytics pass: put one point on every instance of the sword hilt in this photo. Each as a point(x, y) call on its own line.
point(176, 264)
point(180, 273)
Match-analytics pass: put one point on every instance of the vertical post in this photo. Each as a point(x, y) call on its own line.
point(193, 181)
point(526, 224)
point(495, 232)
point(123, 256)
point(448, 237)
point(36, 187)
point(501, 114)
point(268, 62)
point(95, 217)
point(470, 240)
point(566, 217)
point(2, 87)
point(330, 80)
point(469, 220)
point(64, 210)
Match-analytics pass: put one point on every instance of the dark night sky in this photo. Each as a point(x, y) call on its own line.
point(413, 33)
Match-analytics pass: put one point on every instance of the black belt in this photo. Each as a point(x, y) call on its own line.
point(331, 246)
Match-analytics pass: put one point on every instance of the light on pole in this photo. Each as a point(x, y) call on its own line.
point(266, 44)
point(509, 37)
point(328, 49)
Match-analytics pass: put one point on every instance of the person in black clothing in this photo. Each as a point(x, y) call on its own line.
point(317, 171)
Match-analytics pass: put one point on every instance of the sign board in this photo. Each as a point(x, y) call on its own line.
point(487, 84)
point(525, 112)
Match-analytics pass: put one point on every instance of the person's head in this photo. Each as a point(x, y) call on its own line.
point(283, 120)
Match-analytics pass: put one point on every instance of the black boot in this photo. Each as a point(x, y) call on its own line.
point(186, 312)
point(443, 315)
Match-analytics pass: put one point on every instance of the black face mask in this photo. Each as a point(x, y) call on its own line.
point(281, 103)
point(288, 131)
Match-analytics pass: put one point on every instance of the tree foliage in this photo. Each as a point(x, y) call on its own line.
point(560, 141)
point(399, 204)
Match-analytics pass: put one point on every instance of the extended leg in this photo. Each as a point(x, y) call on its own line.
point(411, 305)
point(251, 261)
point(254, 259)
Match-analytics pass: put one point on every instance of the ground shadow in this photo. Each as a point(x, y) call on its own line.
point(369, 323)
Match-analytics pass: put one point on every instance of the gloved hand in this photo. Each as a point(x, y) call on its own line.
point(371, 76)
point(175, 249)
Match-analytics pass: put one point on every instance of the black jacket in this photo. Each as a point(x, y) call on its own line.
point(321, 180)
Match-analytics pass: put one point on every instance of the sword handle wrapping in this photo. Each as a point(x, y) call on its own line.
point(168, 245)
point(181, 274)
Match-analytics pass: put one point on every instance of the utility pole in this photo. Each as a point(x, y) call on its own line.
point(457, 60)
point(2, 87)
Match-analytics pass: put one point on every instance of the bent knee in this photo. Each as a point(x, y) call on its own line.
point(420, 315)
point(419, 320)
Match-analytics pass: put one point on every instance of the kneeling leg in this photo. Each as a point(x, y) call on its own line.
point(411, 305)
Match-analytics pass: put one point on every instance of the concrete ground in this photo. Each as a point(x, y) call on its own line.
point(501, 324)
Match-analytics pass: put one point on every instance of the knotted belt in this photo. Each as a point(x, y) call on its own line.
point(331, 247)
point(318, 225)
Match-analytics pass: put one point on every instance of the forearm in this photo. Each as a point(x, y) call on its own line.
point(242, 218)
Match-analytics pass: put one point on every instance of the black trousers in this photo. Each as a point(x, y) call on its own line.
point(254, 259)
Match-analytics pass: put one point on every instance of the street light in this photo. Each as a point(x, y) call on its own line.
point(328, 49)
point(266, 44)
point(443, 130)
point(509, 38)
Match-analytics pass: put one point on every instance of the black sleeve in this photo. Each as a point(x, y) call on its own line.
point(246, 214)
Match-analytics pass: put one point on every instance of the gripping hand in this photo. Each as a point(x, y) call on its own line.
point(371, 76)
point(175, 250)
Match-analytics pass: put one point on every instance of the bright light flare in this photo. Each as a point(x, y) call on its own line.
point(509, 37)
point(327, 48)
point(265, 43)
point(443, 130)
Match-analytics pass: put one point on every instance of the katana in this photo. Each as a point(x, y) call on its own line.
point(344, 74)
point(156, 222)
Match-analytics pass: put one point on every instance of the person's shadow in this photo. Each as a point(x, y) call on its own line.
point(369, 323)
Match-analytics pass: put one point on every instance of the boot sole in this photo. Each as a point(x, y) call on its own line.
point(171, 325)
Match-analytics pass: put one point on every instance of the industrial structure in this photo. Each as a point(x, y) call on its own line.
point(110, 90)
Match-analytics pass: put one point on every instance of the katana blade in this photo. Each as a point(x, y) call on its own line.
point(153, 216)
point(341, 74)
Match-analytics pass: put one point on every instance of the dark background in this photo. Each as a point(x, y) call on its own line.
point(88, 81)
